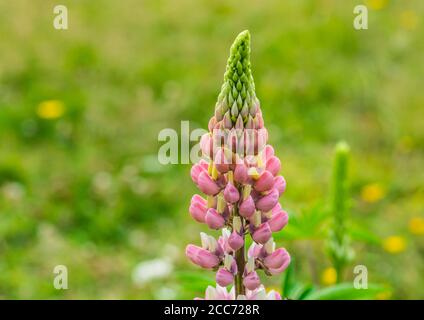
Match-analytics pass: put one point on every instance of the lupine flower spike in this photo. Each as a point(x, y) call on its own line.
point(239, 176)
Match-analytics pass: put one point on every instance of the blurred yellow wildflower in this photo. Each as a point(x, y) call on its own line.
point(329, 276)
point(408, 20)
point(416, 226)
point(394, 244)
point(377, 4)
point(372, 192)
point(51, 109)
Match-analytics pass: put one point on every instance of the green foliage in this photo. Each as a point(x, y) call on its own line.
point(294, 289)
point(308, 225)
point(346, 291)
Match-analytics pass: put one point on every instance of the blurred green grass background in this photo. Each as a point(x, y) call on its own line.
point(80, 111)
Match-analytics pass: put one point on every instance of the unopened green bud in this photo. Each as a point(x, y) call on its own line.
point(238, 85)
point(234, 110)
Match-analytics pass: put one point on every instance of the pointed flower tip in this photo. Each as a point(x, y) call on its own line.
point(241, 46)
point(242, 39)
point(342, 147)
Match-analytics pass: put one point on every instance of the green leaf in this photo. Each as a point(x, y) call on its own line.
point(195, 280)
point(305, 226)
point(346, 291)
point(360, 234)
point(290, 287)
point(288, 283)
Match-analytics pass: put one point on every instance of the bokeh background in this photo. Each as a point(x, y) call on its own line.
point(81, 109)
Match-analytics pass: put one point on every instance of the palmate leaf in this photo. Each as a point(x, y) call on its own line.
point(291, 288)
point(305, 226)
point(346, 291)
point(361, 234)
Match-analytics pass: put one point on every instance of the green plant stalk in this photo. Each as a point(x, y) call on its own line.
point(339, 206)
point(240, 260)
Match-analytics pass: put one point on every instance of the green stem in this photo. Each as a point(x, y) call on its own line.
point(240, 260)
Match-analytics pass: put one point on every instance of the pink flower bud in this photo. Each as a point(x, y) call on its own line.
point(278, 220)
point(269, 152)
point(267, 202)
point(262, 234)
point(259, 121)
point(239, 123)
point(201, 257)
point(212, 122)
point(278, 258)
point(247, 207)
point(235, 241)
point(265, 182)
point(280, 184)
point(251, 281)
point(231, 193)
point(206, 184)
point(273, 165)
point(214, 220)
point(195, 171)
point(198, 208)
point(240, 173)
point(224, 277)
point(222, 164)
point(206, 145)
point(227, 120)
point(254, 250)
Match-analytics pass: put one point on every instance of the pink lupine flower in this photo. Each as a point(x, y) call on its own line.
point(279, 219)
point(235, 241)
point(198, 208)
point(224, 277)
point(240, 173)
point(268, 201)
point(206, 184)
point(276, 259)
point(260, 294)
point(247, 207)
point(273, 165)
point(251, 281)
point(214, 220)
point(280, 184)
point(219, 293)
point(265, 181)
point(231, 193)
point(262, 234)
point(239, 176)
point(201, 257)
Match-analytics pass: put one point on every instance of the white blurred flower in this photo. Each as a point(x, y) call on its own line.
point(13, 191)
point(102, 182)
point(152, 269)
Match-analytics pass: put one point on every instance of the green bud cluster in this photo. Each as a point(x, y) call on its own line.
point(237, 100)
point(338, 244)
